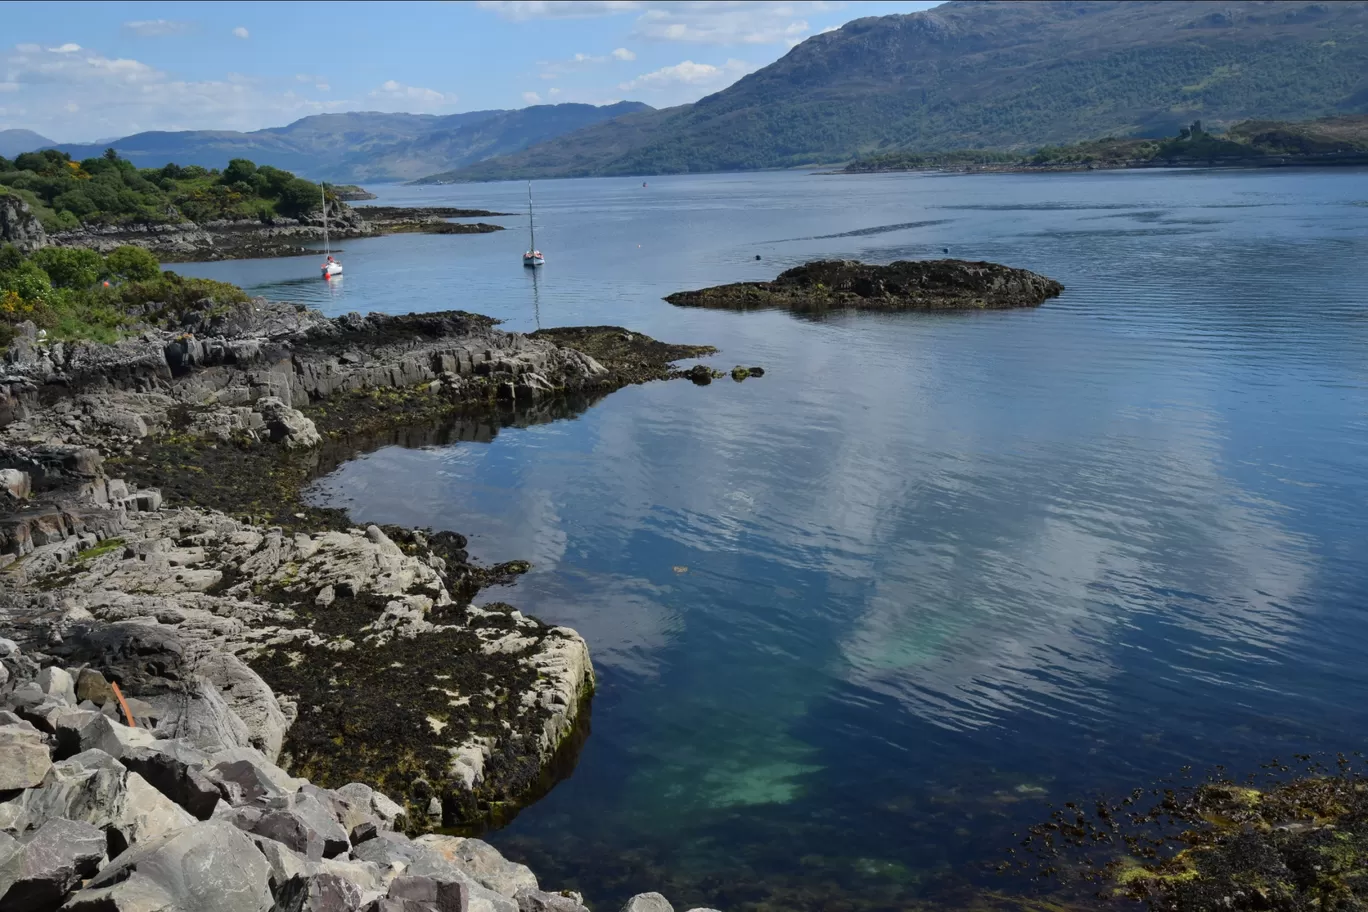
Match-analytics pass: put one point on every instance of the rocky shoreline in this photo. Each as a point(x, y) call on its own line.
point(348, 653)
point(120, 803)
point(182, 242)
point(827, 285)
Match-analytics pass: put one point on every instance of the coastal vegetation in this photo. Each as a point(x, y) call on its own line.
point(66, 194)
point(73, 293)
point(1334, 140)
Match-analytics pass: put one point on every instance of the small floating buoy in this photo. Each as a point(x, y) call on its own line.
point(757, 256)
point(945, 250)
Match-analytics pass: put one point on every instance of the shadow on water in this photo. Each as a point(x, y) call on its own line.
point(477, 426)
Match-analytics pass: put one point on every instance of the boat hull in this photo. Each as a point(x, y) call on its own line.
point(532, 261)
point(332, 269)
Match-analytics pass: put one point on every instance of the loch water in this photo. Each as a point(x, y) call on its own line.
point(858, 621)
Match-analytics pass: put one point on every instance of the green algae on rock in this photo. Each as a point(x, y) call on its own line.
point(826, 285)
point(1299, 842)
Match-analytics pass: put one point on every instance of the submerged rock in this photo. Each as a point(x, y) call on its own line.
point(904, 285)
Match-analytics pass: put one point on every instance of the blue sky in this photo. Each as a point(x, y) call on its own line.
point(89, 71)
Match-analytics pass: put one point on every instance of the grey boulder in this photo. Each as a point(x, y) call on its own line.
point(179, 772)
point(56, 682)
point(50, 865)
point(537, 901)
point(318, 893)
point(206, 867)
point(24, 758)
point(201, 717)
point(95, 788)
point(414, 859)
point(483, 862)
point(375, 804)
point(648, 902)
point(425, 894)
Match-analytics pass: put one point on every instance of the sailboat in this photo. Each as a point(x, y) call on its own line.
point(330, 266)
point(533, 257)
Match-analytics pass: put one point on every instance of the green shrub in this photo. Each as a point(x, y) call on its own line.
point(133, 264)
point(70, 267)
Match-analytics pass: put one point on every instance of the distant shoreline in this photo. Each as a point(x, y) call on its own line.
point(1275, 161)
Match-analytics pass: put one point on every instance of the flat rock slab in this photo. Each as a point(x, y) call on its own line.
point(904, 285)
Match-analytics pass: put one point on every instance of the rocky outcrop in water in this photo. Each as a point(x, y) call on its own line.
point(214, 372)
point(146, 798)
point(904, 285)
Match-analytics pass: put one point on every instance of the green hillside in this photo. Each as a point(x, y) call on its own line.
point(1002, 75)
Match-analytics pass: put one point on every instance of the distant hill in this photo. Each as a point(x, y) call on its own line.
point(361, 146)
point(990, 74)
point(16, 142)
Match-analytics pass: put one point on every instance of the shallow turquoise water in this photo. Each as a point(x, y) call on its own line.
point(858, 620)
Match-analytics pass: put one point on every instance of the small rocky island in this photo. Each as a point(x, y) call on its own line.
point(826, 285)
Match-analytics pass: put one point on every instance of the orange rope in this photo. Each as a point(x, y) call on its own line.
point(118, 694)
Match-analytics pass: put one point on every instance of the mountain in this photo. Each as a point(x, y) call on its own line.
point(362, 146)
point(14, 142)
point(990, 74)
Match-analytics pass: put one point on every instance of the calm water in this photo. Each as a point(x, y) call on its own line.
point(858, 620)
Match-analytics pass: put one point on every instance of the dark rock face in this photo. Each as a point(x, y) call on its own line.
point(905, 285)
point(58, 856)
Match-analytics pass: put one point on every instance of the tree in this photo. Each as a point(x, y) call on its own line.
point(133, 264)
point(111, 155)
point(298, 198)
point(70, 267)
point(239, 170)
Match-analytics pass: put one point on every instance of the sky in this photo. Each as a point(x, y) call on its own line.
point(95, 71)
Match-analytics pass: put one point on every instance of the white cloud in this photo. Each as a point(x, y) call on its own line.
point(240, 32)
point(764, 23)
point(67, 48)
point(72, 107)
point(725, 22)
point(554, 69)
point(688, 81)
point(525, 10)
point(411, 98)
point(318, 82)
point(153, 28)
point(532, 98)
point(119, 96)
point(553, 92)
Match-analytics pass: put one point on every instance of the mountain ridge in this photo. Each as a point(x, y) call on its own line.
point(989, 74)
point(15, 141)
point(358, 145)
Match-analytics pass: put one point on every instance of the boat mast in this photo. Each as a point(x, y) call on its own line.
point(322, 194)
point(531, 229)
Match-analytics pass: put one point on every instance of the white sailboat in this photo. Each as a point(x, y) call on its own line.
point(533, 257)
point(330, 266)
